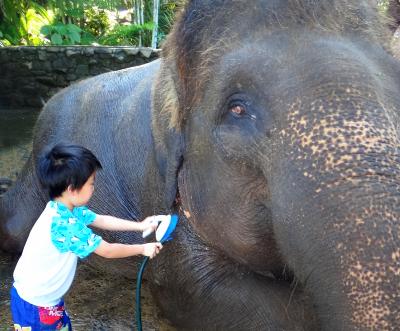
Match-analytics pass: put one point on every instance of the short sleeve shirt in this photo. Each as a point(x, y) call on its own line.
point(47, 265)
point(69, 231)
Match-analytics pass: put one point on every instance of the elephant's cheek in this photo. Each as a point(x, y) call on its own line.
point(186, 213)
point(186, 201)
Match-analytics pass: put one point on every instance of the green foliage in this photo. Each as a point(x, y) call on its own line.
point(27, 22)
point(96, 21)
point(3, 42)
point(167, 17)
point(75, 9)
point(137, 33)
point(125, 34)
point(22, 21)
point(87, 38)
point(62, 34)
point(383, 5)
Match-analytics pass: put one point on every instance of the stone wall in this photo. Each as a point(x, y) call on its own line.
point(29, 76)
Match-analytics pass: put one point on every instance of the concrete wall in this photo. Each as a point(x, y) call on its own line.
point(29, 76)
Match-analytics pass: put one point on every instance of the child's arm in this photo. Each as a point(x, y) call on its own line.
point(111, 223)
point(112, 251)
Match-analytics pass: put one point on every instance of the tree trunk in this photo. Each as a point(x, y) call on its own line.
point(156, 6)
point(139, 17)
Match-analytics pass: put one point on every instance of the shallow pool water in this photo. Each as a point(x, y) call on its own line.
point(16, 128)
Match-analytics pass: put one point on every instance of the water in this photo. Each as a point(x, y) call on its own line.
point(97, 301)
point(16, 126)
point(15, 139)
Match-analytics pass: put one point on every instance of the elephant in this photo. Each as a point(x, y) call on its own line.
point(394, 13)
point(272, 128)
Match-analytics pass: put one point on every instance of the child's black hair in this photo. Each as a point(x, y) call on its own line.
point(64, 165)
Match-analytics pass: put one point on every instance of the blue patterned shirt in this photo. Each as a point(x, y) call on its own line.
point(69, 231)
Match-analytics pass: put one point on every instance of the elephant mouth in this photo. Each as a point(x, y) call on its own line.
point(207, 270)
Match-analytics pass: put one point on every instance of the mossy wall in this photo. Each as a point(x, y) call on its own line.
point(29, 76)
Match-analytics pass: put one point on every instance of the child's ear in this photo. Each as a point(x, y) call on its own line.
point(70, 189)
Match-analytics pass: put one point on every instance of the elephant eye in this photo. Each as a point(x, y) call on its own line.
point(238, 110)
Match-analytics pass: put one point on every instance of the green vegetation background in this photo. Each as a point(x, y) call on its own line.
point(85, 22)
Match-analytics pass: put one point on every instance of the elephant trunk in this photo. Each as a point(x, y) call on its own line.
point(13, 233)
point(17, 214)
point(336, 203)
point(351, 264)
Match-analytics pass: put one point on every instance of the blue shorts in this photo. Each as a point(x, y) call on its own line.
point(28, 317)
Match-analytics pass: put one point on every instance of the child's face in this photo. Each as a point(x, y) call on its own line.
point(82, 196)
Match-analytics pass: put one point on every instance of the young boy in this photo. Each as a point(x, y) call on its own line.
point(61, 234)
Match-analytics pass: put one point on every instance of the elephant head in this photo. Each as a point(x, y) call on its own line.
point(289, 113)
point(272, 127)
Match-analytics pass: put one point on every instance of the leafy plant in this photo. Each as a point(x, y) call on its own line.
point(87, 38)
point(22, 21)
point(96, 21)
point(166, 18)
point(383, 5)
point(73, 11)
point(125, 34)
point(3, 42)
point(82, 21)
point(62, 34)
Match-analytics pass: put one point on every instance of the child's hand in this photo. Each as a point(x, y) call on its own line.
point(149, 224)
point(151, 249)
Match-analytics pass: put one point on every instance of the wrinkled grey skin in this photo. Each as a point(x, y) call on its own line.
point(272, 128)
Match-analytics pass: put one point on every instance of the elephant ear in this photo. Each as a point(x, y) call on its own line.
point(167, 131)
